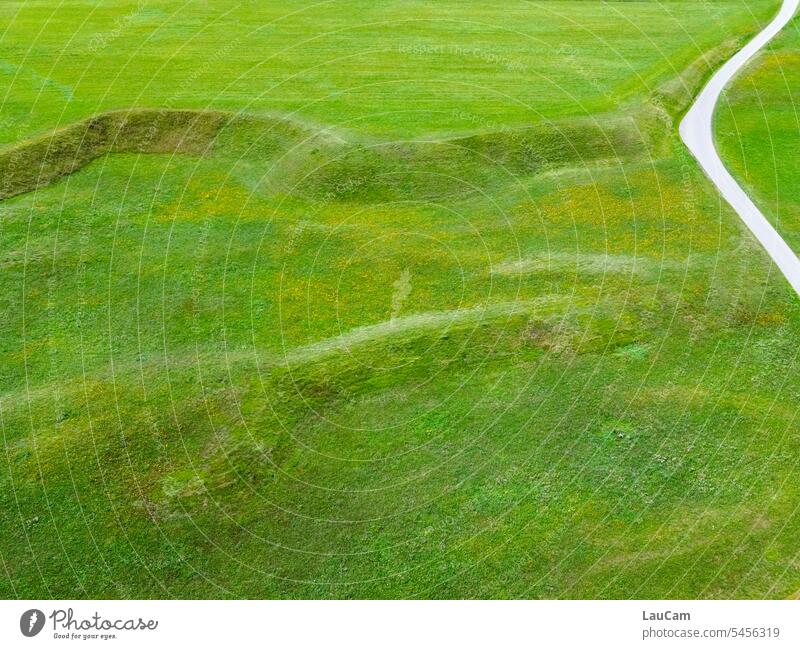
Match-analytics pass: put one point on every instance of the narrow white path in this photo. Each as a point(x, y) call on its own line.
point(697, 133)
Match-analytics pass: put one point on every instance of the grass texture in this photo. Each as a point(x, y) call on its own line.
point(363, 308)
point(757, 130)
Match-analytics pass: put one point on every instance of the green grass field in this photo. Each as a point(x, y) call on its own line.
point(424, 300)
point(396, 69)
point(758, 131)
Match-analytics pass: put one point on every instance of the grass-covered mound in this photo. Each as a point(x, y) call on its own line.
point(318, 161)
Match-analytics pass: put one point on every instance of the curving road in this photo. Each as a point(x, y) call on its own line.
point(697, 133)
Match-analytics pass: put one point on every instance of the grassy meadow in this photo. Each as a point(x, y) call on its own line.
point(417, 300)
point(400, 68)
point(758, 129)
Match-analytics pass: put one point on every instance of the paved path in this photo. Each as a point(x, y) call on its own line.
point(696, 132)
